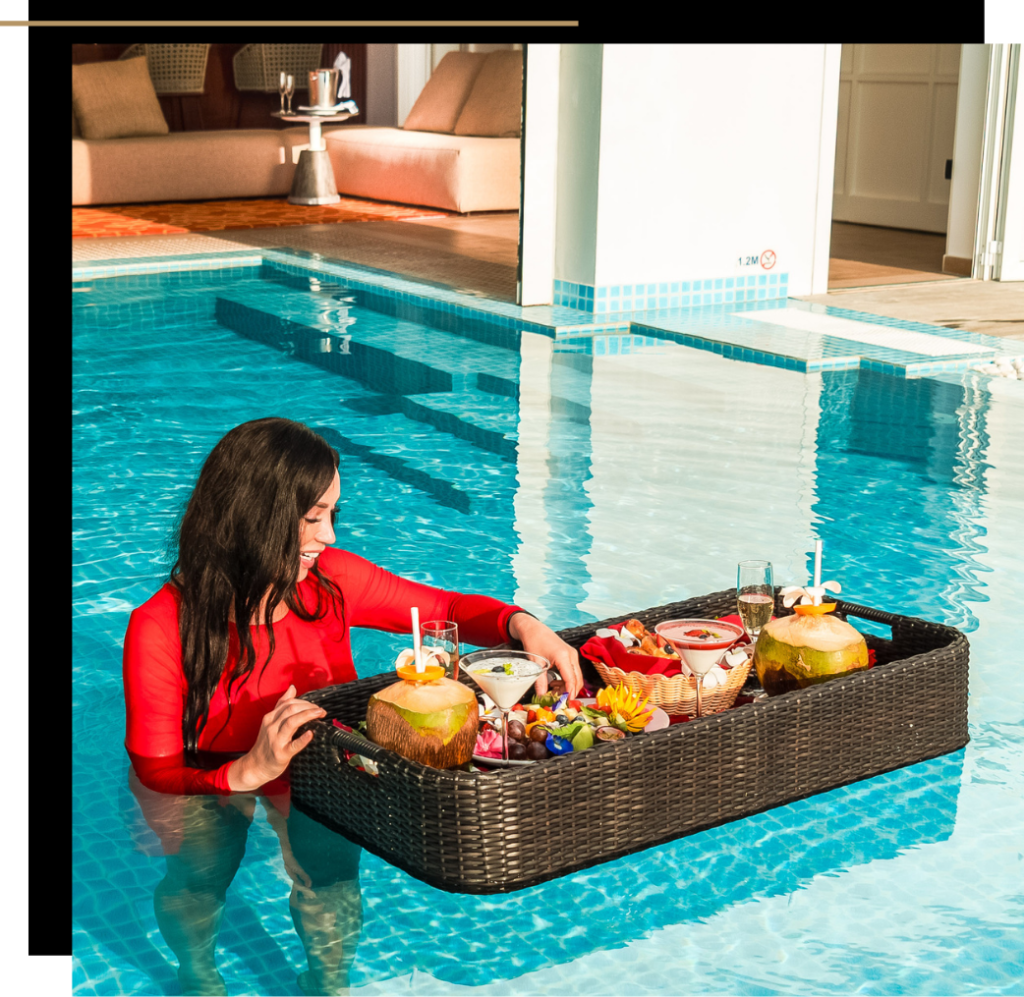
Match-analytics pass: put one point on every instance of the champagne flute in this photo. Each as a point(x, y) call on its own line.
point(755, 595)
point(443, 634)
point(282, 88)
point(289, 89)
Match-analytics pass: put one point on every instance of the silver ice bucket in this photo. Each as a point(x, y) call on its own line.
point(323, 87)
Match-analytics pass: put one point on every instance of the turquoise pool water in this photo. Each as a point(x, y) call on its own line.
point(581, 479)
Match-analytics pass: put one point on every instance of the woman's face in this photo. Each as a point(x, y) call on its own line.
point(315, 530)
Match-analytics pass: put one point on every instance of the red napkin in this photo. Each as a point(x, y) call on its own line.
point(609, 651)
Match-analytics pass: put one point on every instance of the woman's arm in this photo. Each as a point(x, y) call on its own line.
point(154, 689)
point(379, 599)
point(154, 695)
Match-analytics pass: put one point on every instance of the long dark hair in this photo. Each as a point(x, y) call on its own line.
point(238, 540)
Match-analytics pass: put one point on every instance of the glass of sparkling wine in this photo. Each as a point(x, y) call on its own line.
point(755, 595)
point(444, 635)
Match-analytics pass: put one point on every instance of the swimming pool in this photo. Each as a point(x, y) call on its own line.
point(580, 475)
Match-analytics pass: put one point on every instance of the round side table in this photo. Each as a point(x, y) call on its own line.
point(314, 181)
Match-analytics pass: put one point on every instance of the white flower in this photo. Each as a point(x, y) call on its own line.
point(812, 594)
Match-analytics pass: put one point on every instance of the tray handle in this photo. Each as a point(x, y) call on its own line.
point(867, 613)
point(342, 739)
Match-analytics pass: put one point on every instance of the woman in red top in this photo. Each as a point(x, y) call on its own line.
point(253, 545)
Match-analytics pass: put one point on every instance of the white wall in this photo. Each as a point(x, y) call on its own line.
point(708, 154)
point(970, 123)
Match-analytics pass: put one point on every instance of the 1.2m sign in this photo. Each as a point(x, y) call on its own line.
point(766, 260)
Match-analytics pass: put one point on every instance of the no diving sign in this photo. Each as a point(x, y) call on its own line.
point(768, 259)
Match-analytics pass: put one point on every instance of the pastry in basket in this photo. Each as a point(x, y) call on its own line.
point(652, 644)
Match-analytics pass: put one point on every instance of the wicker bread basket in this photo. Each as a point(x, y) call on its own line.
point(678, 695)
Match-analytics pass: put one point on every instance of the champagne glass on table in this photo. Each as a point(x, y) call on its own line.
point(755, 595)
point(443, 635)
point(282, 87)
point(505, 676)
point(289, 89)
point(701, 644)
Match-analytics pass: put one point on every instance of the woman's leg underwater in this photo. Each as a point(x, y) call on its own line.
point(189, 901)
point(326, 903)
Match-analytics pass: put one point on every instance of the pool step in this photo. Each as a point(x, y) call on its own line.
point(449, 402)
point(465, 359)
point(437, 315)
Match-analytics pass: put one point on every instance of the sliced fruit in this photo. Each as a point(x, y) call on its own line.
point(430, 673)
point(609, 734)
point(808, 610)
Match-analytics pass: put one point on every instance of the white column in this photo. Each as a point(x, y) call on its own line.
point(1010, 224)
point(962, 220)
point(579, 146)
point(826, 168)
point(540, 174)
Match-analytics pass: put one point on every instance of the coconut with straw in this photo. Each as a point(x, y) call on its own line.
point(424, 717)
point(811, 646)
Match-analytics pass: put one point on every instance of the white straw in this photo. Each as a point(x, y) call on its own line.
point(817, 570)
point(416, 642)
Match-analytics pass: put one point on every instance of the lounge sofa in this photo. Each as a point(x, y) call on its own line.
point(459, 149)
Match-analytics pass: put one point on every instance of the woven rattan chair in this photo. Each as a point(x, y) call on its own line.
point(259, 67)
point(174, 69)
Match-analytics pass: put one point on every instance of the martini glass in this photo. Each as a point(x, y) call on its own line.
point(505, 676)
point(701, 644)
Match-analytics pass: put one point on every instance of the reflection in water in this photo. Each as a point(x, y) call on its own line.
point(203, 841)
point(900, 463)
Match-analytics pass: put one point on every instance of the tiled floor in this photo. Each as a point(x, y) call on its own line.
point(993, 307)
point(475, 255)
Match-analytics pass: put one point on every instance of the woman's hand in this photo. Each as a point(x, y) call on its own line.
point(274, 748)
point(542, 640)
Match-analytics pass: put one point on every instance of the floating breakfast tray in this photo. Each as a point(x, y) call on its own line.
point(499, 831)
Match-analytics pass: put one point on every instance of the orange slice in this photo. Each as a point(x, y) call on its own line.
point(825, 607)
point(430, 673)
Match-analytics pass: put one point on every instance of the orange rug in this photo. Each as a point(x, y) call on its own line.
point(216, 216)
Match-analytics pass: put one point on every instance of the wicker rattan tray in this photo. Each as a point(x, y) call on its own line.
point(495, 832)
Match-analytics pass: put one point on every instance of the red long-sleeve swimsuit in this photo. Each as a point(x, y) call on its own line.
point(308, 655)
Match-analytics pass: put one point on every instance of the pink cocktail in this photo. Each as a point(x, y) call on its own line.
point(700, 643)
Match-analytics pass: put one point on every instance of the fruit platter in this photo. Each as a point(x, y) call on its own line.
point(553, 725)
point(477, 828)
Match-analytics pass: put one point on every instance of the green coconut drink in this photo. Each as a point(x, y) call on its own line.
point(433, 722)
point(793, 652)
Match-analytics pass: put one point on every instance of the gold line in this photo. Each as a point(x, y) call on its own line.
point(290, 24)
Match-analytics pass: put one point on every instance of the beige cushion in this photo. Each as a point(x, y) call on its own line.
point(185, 166)
point(438, 107)
point(455, 173)
point(116, 100)
point(495, 105)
